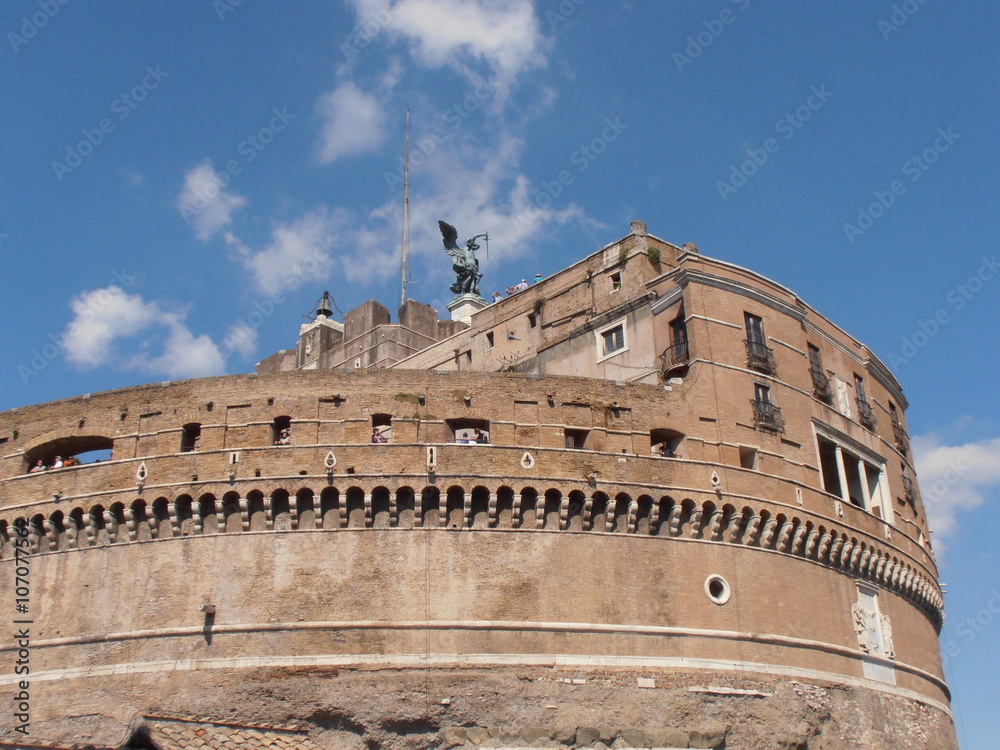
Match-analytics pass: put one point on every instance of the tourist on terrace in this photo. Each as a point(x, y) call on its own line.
point(39, 466)
point(378, 437)
point(481, 437)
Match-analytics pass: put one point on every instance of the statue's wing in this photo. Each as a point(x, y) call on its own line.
point(449, 235)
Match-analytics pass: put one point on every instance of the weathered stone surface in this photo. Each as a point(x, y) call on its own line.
point(786, 741)
point(477, 735)
point(634, 738)
point(333, 740)
point(667, 737)
point(709, 736)
point(531, 734)
point(608, 734)
point(586, 736)
point(452, 737)
point(564, 736)
point(340, 571)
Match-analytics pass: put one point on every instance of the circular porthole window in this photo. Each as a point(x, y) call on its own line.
point(717, 589)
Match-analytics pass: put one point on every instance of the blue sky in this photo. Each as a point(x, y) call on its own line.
point(182, 180)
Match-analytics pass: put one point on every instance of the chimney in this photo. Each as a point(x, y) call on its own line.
point(639, 228)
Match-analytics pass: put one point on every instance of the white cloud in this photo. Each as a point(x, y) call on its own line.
point(204, 203)
point(100, 317)
point(353, 123)
point(299, 252)
point(954, 477)
point(184, 354)
point(104, 317)
point(241, 338)
point(474, 189)
point(502, 35)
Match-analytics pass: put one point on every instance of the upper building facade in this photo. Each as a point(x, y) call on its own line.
point(654, 498)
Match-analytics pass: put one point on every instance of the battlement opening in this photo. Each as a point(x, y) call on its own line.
point(190, 437)
point(665, 442)
point(72, 450)
point(464, 431)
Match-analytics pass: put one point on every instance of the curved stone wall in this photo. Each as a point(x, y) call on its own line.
point(334, 552)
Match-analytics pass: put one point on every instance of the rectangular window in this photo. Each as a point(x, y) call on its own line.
point(616, 281)
point(532, 320)
point(614, 340)
point(765, 413)
point(489, 339)
point(866, 415)
point(759, 356)
point(762, 393)
point(576, 439)
point(854, 474)
point(748, 457)
point(678, 330)
point(611, 340)
point(814, 362)
point(821, 383)
point(859, 387)
point(755, 328)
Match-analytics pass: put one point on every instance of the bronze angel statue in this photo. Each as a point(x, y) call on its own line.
point(463, 259)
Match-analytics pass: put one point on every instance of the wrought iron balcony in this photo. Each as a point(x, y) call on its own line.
point(675, 357)
point(910, 490)
point(866, 415)
point(766, 414)
point(821, 386)
point(760, 357)
point(902, 439)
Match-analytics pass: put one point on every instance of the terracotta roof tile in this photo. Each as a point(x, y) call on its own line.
point(176, 733)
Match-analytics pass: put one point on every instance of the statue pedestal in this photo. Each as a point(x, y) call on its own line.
point(464, 306)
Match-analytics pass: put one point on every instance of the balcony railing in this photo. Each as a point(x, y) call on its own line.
point(675, 357)
point(902, 439)
point(766, 414)
point(866, 415)
point(910, 490)
point(821, 386)
point(760, 357)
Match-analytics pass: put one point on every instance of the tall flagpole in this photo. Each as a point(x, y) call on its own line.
point(406, 208)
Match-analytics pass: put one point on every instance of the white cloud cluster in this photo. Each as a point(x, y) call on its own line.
point(100, 317)
point(104, 317)
point(953, 478)
point(204, 202)
point(299, 252)
point(502, 34)
point(353, 122)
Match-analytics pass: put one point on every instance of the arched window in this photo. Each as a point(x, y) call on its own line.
point(305, 509)
point(455, 508)
point(480, 508)
point(380, 508)
point(329, 508)
point(69, 451)
point(505, 507)
point(281, 510)
point(355, 497)
point(405, 508)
